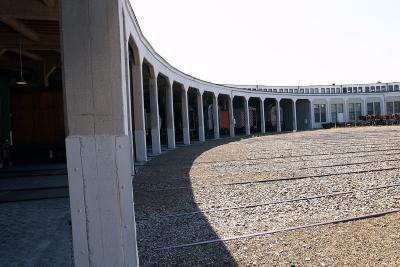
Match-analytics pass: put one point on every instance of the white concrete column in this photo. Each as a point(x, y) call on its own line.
point(246, 114)
point(155, 121)
point(170, 115)
point(365, 110)
point(97, 127)
point(138, 113)
point(294, 115)
point(328, 111)
point(185, 116)
point(383, 111)
point(231, 117)
point(346, 110)
point(200, 114)
point(262, 116)
point(215, 115)
point(312, 122)
point(278, 115)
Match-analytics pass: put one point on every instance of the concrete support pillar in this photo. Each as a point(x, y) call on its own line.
point(328, 111)
point(278, 116)
point(155, 117)
point(262, 116)
point(185, 117)
point(215, 116)
point(246, 115)
point(383, 111)
point(312, 122)
point(170, 116)
point(231, 117)
point(365, 110)
point(200, 114)
point(346, 110)
point(294, 115)
point(138, 113)
point(97, 126)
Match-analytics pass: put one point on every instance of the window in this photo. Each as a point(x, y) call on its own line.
point(374, 108)
point(290, 90)
point(316, 90)
point(396, 87)
point(323, 90)
point(360, 89)
point(302, 91)
point(275, 90)
point(312, 91)
point(383, 87)
point(319, 113)
point(280, 90)
point(367, 89)
point(286, 90)
point(378, 89)
point(377, 108)
point(335, 110)
point(307, 91)
point(370, 108)
point(344, 90)
point(340, 108)
point(389, 108)
point(354, 89)
point(296, 91)
point(372, 88)
point(332, 90)
point(354, 111)
point(397, 107)
point(390, 88)
point(393, 107)
point(337, 90)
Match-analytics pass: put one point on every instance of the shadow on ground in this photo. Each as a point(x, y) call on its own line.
point(162, 187)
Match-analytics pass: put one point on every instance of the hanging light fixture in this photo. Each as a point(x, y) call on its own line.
point(21, 82)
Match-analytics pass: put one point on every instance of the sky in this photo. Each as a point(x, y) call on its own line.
point(276, 42)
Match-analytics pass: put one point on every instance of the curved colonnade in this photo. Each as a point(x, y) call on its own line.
point(298, 105)
point(124, 102)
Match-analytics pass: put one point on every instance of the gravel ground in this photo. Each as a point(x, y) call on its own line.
point(231, 187)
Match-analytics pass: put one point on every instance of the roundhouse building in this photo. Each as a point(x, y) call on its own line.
point(93, 79)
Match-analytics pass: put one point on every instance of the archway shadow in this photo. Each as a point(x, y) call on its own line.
point(163, 187)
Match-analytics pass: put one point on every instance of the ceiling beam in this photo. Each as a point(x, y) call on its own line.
point(29, 9)
point(49, 3)
point(20, 27)
point(28, 54)
point(47, 42)
point(2, 51)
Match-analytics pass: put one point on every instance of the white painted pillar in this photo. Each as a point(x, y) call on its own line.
point(138, 113)
point(185, 116)
point(231, 117)
point(155, 121)
point(346, 110)
point(383, 111)
point(328, 111)
point(215, 115)
point(246, 115)
point(170, 115)
point(262, 116)
point(200, 114)
point(294, 115)
point(312, 122)
point(97, 144)
point(278, 116)
point(365, 110)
